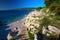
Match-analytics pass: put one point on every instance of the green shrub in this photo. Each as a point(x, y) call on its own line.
point(31, 36)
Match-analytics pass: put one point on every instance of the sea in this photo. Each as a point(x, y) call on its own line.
point(8, 16)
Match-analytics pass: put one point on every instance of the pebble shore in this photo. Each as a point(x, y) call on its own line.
point(19, 26)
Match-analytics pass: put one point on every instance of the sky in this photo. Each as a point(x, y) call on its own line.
point(11, 4)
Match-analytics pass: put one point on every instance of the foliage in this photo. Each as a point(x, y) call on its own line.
point(39, 8)
point(53, 18)
point(12, 38)
point(45, 22)
point(52, 37)
point(52, 2)
point(31, 36)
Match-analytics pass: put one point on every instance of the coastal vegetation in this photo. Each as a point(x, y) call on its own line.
point(39, 8)
point(45, 23)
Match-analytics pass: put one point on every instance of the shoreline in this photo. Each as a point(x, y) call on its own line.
point(19, 24)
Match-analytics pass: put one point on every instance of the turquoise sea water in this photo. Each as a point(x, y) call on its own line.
point(8, 16)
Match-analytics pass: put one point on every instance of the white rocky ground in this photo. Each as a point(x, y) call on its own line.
point(18, 26)
point(21, 25)
point(31, 23)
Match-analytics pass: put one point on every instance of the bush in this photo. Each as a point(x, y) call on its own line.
point(31, 36)
point(52, 2)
